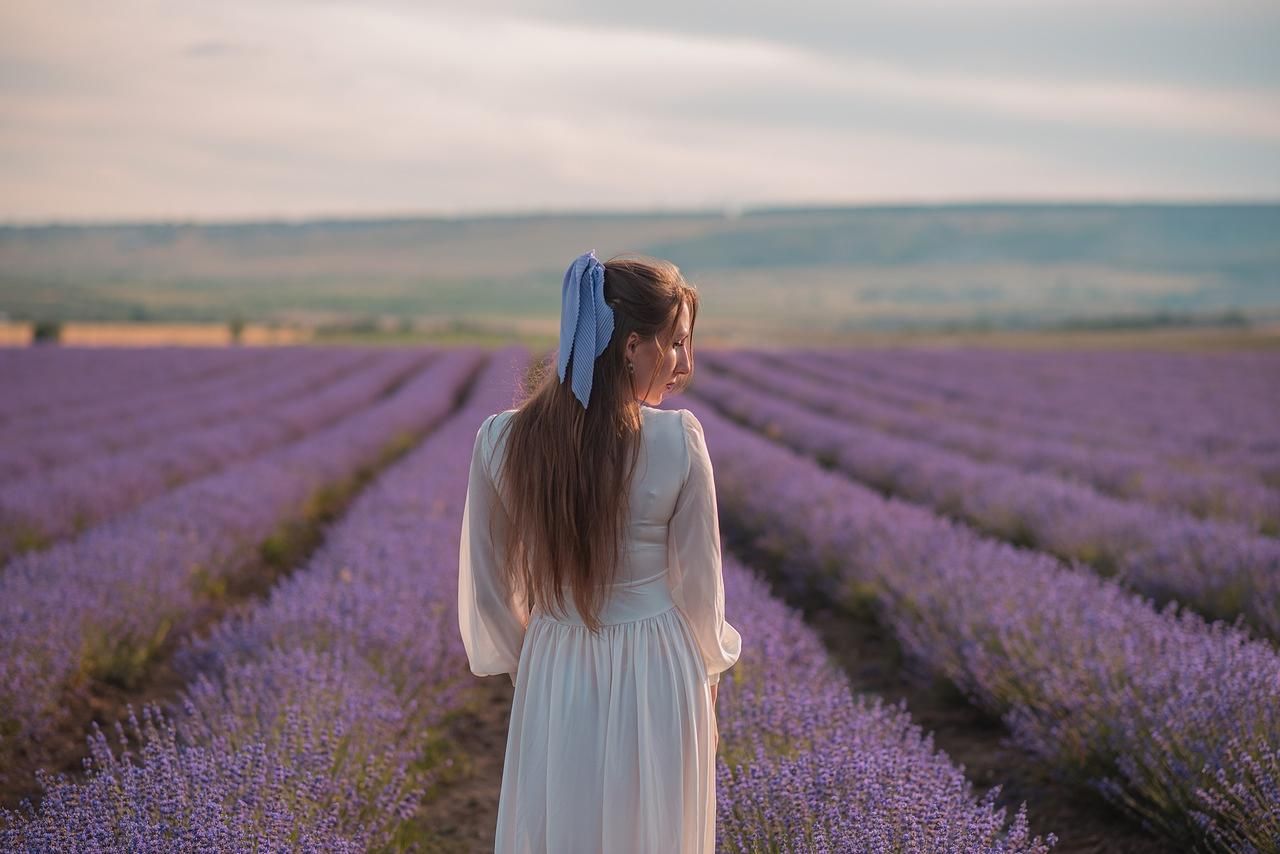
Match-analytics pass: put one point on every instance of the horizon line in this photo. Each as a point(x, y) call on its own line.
point(727, 211)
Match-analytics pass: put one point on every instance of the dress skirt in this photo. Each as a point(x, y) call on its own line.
point(611, 746)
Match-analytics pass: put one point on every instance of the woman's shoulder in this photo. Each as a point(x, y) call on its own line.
point(679, 428)
point(655, 412)
point(498, 418)
point(490, 430)
point(682, 419)
point(672, 419)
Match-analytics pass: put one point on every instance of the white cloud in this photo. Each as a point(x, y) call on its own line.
point(226, 110)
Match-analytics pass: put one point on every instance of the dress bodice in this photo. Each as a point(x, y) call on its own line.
point(640, 587)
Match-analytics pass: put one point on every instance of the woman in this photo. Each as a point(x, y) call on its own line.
point(589, 571)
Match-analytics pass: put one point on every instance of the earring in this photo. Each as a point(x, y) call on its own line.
point(631, 369)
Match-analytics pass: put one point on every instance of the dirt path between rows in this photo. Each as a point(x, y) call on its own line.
point(460, 815)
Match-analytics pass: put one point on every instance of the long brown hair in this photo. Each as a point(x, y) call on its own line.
point(566, 474)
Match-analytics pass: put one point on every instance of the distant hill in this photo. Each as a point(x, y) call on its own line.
point(759, 272)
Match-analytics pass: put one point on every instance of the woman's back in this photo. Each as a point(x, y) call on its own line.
point(612, 739)
point(661, 465)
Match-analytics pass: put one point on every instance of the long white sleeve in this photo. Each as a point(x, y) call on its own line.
point(491, 617)
point(693, 557)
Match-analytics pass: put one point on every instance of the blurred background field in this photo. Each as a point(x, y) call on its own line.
point(1197, 275)
point(390, 172)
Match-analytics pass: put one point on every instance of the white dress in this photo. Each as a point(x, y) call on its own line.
point(611, 745)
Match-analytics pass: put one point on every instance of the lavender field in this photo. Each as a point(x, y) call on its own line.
point(228, 593)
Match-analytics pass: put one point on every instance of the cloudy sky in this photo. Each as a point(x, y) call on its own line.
point(228, 109)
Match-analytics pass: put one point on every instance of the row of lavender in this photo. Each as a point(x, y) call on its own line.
point(285, 402)
point(106, 600)
point(1200, 489)
point(1168, 716)
point(1224, 407)
point(1213, 400)
point(51, 385)
point(1222, 569)
point(124, 423)
point(994, 406)
point(807, 766)
point(308, 722)
point(305, 719)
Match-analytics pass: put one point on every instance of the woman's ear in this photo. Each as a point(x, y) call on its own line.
point(633, 340)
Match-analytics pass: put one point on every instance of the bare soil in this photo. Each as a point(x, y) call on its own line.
point(460, 814)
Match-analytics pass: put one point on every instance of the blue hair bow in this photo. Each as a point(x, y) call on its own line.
point(586, 322)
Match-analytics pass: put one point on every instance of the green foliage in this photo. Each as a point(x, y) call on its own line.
point(122, 660)
point(1076, 267)
point(46, 331)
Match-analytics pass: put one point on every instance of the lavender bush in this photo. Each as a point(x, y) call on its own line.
point(41, 507)
point(190, 798)
point(1203, 400)
point(102, 603)
point(308, 720)
point(50, 386)
point(1221, 569)
point(1127, 473)
point(129, 423)
point(1190, 407)
point(327, 692)
point(806, 766)
point(1172, 718)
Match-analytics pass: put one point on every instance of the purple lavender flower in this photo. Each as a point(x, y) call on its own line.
point(1159, 710)
point(1219, 568)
